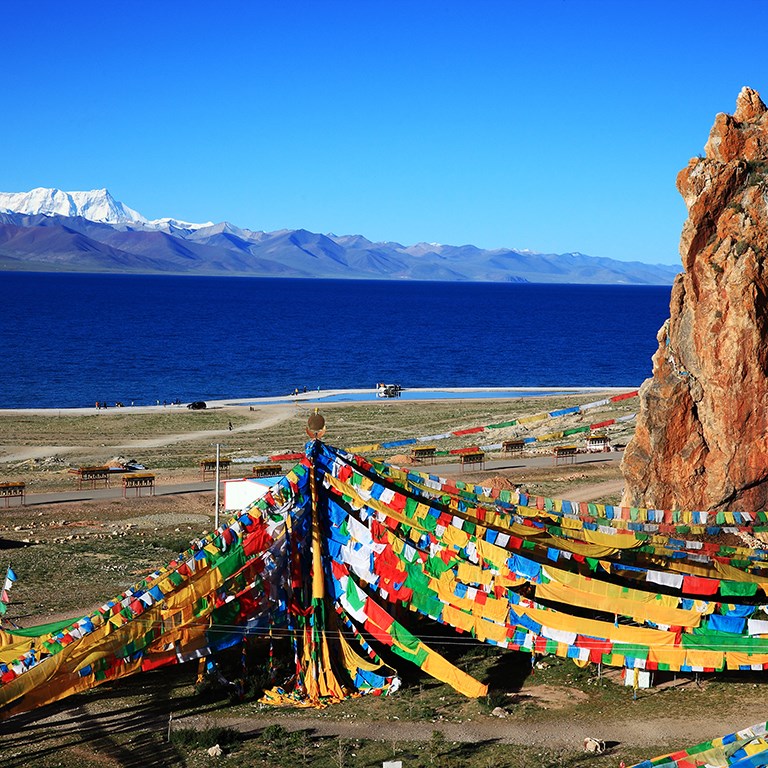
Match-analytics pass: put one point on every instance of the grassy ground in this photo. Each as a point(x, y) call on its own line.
point(127, 724)
point(174, 441)
point(102, 546)
point(72, 557)
point(112, 425)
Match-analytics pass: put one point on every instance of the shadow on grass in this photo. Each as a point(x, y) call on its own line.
point(132, 734)
point(11, 544)
point(509, 671)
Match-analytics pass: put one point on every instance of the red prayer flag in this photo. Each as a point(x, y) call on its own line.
point(378, 615)
point(699, 585)
point(625, 396)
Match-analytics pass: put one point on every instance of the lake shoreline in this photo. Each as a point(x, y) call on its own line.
point(330, 397)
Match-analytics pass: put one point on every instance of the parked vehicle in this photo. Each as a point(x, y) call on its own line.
point(388, 390)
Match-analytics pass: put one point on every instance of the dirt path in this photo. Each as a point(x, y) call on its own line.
point(93, 719)
point(595, 490)
point(24, 453)
point(269, 418)
point(561, 732)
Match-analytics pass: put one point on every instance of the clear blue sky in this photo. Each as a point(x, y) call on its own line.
point(555, 125)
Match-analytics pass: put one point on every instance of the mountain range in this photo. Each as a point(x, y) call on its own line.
point(48, 230)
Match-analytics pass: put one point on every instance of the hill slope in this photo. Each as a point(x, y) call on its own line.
point(51, 230)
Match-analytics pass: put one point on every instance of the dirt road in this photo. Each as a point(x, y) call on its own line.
point(674, 732)
point(267, 418)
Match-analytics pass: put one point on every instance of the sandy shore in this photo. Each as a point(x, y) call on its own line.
point(321, 397)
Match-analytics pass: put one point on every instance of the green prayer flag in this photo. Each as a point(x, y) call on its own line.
point(436, 566)
point(355, 596)
point(632, 650)
point(175, 578)
point(737, 589)
point(418, 658)
point(233, 561)
point(403, 636)
point(429, 522)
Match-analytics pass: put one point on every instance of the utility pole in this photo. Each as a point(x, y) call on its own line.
point(216, 522)
point(218, 459)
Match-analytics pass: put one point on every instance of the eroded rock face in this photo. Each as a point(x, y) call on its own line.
point(701, 439)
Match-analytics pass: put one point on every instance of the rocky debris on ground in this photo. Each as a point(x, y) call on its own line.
point(594, 746)
point(570, 478)
point(41, 462)
point(700, 437)
point(498, 483)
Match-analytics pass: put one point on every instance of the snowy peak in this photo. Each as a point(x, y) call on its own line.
point(172, 225)
point(95, 205)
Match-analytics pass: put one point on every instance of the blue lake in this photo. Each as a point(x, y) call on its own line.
point(71, 339)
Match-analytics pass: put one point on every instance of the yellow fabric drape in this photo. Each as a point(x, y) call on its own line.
point(443, 670)
point(735, 659)
point(353, 660)
point(473, 574)
point(365, 448)
point(489, 630)
point(580, 548)
point(639, 611)
point(595, 628)
point(459, 619)
point(729, 573)
point(618, 540)
point(598, 587)
point(57, 673)
point(675, 657)
point(697, 658)
point(13, 646)
point(492, 553)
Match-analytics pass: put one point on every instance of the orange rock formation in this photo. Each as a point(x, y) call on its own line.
point(701, 440)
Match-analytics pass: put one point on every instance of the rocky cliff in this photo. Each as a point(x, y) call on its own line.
point(701, 440)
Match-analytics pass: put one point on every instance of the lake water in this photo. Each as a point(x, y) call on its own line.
point(72, 339)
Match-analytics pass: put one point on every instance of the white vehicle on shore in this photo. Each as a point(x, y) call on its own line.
point(388, 390)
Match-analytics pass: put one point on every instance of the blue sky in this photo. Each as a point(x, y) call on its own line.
point(555, 125)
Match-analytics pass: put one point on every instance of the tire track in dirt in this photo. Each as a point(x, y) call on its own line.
point(269, 419)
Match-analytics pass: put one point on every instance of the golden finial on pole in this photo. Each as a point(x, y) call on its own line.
point(316, 425)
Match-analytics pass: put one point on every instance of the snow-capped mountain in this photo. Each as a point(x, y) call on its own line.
point(50, 230)
point(94, 205)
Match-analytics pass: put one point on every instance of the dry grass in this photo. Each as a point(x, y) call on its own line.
point(173, 442)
